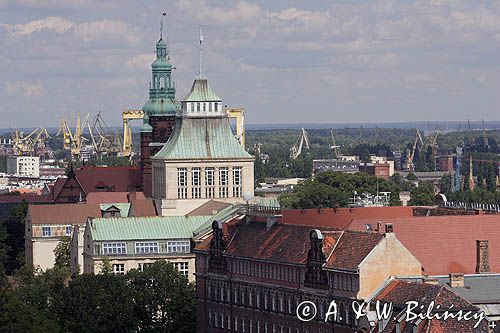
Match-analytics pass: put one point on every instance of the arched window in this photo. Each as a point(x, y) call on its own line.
point(162, 82)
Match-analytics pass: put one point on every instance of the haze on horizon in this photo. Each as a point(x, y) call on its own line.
point(283, 61)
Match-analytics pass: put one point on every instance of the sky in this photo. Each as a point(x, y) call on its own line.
point(309, 61)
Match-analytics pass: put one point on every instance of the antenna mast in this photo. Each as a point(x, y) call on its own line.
point(200, 74)
point(161, 25)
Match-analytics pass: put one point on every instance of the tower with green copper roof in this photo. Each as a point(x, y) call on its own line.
point(159, 110)
point(202, 160)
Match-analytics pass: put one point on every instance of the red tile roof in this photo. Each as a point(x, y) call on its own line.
point(445, 244)
point(208, 208)
point(352, 248)
point(30, 198)
point(62, 213)
point(291, 243)
point(341, 217)
point(399, 292)
point(140, 208)
point(120, 178)
point(112, 197)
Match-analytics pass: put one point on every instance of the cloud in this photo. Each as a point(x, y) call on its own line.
point(240, 12)
point(25, 89)
point(53, 23)
point(88, 31)
point(141, 61)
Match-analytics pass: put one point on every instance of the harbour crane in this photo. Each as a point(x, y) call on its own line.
point(334, 146)
point(296, 149)
point(410, 153)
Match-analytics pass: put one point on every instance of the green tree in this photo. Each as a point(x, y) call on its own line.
point(423, 195)
point(491, 178)
point(164, 299)
point(106, 267)
point(412, 177)
point(62, 253)
point(96, 303)
point(15, 237)
point(17, 316)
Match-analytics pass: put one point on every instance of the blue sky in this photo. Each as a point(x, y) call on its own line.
point(283, 61)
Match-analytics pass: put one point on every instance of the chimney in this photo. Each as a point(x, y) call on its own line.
point(270, 222)
point(482, 261)
point(457, 280)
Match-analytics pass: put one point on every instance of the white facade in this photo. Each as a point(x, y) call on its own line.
point(179, 187)
point(26, 166)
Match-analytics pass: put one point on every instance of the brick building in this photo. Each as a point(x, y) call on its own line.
point(252, 275)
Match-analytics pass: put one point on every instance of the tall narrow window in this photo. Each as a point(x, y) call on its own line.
point(198, 107)
point(182, 183)
point(237, 182)
point(196, 183)
point(204, 107)
point(209, 182)
point(223, 182)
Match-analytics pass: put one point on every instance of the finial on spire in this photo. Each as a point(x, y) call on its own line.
point(200, 74)
point(161, 24)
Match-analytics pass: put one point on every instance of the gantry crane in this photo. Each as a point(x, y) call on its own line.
point(296, 149)
point(127, 147)
point(410, 153)
point(239, 115)
point(32, 144)
point(334, 146)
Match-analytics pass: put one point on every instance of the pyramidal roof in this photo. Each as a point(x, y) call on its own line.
point(202, 138)
point(201, 92)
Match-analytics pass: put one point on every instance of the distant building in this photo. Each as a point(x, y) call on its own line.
point(251, 276)
point(25, 166)
point(338, 165)
point(202, 160)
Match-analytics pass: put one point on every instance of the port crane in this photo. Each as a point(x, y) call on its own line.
point(296, 149)
point(334, 146)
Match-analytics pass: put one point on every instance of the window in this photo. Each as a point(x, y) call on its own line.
point(182, 267)
point(178, 247)
point(146, 247)
point(114, 248)
point(198, 107)
point(216, 106)
point(68, 230)
point(210, 106)
point(46, 231)
point(223, 182)
point(119, 268)
point(209, 182)
point(204, 107)
point(144, 265)
point(196, 182)
point(237, 182)
point(182, 183)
